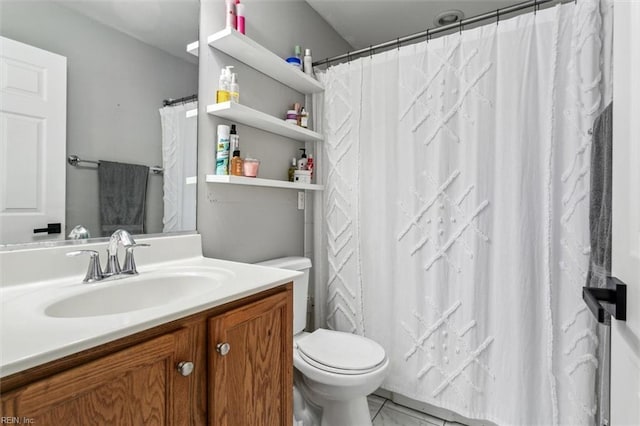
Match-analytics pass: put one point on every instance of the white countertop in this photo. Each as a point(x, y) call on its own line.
point(29, 337)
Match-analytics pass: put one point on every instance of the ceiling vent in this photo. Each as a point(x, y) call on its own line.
point(448, 17)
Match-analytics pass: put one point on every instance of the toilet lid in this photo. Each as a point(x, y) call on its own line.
point(337, 351)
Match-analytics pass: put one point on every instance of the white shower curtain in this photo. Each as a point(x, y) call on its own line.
point(179, 159)
point(456, 214)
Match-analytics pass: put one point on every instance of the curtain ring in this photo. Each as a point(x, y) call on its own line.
point(349, 57)
point(371, 51)
point(427, 33)
point(398, 43)
point(497, 16)
point(460, 27)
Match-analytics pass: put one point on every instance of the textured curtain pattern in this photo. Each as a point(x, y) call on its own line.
point(179, 159)
point(456, 214)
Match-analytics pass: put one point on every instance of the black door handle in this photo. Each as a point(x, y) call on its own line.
point(608, 301)
point(52, 228)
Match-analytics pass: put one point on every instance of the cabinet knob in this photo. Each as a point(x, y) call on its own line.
point(185, 368)
point(223, 348)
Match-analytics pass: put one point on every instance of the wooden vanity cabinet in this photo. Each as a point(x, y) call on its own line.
point(136, 386)
point(250, 359)
point(136, 380)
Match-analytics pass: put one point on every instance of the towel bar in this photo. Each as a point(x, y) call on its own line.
point(74, 160)
point(606, 302)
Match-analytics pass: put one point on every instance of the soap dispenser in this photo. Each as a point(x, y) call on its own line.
point(302, 161)
point(223, 95)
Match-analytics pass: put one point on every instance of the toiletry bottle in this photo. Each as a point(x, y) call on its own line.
point(304, 118)
point(297, 52)
point(231, 14)
point(302, 161)
point(296, 107)
point(222, 95)
point(310, 164)
point(292, 169)
point(307, 62)
point(235, 167)
point(234, 139)
point(240, 17)
point(234, 89)
point(222, 150)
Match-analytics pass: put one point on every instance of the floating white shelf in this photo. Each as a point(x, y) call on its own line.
point(263, 60)
point(241, 180)
point(251, 117)
point(193, 48)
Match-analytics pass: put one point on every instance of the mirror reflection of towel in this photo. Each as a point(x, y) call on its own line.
point(600, 199)
point(600, 257)
point(122, 194)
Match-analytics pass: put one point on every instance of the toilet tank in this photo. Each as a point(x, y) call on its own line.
point(300, 286)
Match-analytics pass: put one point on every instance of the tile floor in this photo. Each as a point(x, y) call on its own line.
point(386, 413)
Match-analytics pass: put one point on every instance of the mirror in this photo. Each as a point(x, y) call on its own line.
point(125, 59)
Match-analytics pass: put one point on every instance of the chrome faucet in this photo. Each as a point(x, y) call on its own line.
point(112, 270)
point(119, 237)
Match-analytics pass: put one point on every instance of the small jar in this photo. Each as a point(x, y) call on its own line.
point(294, 61)
point(250, 167)
point(292, 116)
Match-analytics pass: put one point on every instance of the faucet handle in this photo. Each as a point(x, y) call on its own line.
point(129, 263)
point(94, 271)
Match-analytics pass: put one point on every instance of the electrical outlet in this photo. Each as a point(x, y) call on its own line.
point(301, 200)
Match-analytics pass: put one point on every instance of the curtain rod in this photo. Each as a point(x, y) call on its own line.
point(431, 31)
point(169, 102)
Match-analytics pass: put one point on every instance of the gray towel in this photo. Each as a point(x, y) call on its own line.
point(600, 260)
point(123, 190)
point(600, 203)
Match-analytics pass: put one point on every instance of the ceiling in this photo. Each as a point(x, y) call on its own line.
point(368, 22)
point(167, 24)
point(172, 24)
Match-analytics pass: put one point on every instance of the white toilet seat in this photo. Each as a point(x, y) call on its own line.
point(340, 353)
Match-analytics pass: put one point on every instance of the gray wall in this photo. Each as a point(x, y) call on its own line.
point(116, 85)
point(244, 223)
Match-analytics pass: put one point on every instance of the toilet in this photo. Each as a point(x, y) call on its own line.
point(334, 370)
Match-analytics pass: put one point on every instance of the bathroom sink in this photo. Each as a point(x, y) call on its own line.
point(136, 293)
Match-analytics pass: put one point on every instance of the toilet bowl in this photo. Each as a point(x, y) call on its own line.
point(337, 370)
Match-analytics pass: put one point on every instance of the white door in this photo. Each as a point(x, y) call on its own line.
point(33, 125)
point(625, 336)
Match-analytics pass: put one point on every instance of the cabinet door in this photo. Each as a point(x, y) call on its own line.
point(136, 386)
point(252, 383)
